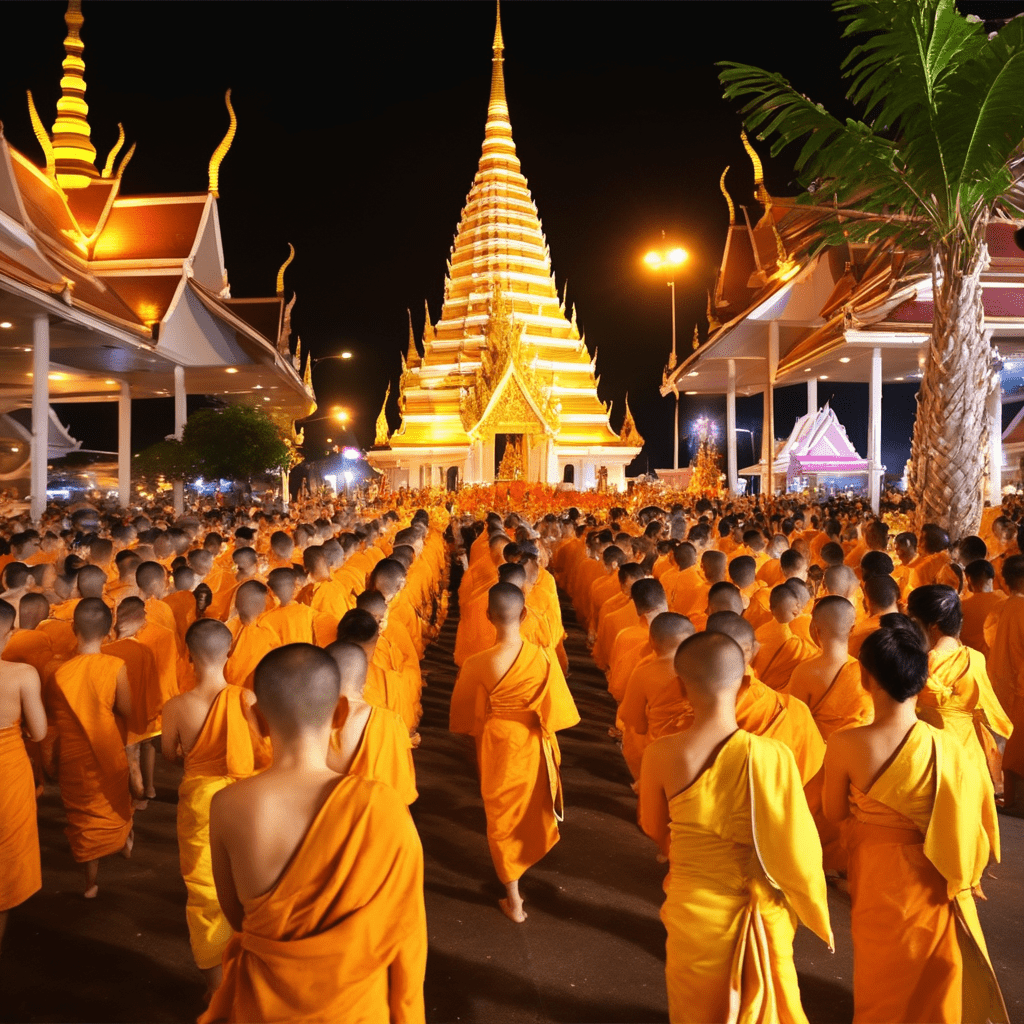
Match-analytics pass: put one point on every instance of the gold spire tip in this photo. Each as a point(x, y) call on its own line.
point(40, 134)
point(284, 267)
point(222, 150)
point(728, 198)
point(74, 153)
point(499, 44)
point(108, 167)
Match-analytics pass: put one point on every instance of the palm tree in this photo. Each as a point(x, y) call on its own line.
point(938, 155)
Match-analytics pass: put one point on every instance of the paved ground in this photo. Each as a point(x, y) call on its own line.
point(592, 950)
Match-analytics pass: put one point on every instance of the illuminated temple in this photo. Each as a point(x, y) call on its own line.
point(505, 387)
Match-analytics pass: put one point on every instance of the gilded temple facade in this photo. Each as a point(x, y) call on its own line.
point(505, 387)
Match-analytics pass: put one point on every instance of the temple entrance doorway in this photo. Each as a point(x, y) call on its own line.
point(569, 475)
point(509, 456)
point(452, 478)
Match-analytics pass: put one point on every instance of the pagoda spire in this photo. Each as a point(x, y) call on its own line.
point(498, 144)
point(74, 153)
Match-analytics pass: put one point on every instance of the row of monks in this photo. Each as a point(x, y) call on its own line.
point(780, 713)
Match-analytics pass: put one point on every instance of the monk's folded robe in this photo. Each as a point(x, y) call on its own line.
point(959, 697)
point(384, 753)
point(745, 865)
point(918, 844)
point(514, 726)
point(618, 614)
point(29, 647)
point(645, 689)
point(781, 650)
point(144, 679)
point(251, 644)
point(292, 623)
point(1004, 632)
point(226, 750)
point(20, 870)
point(93, 765)
point(342, 936)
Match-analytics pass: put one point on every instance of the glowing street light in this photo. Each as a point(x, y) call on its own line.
point(341, 415)
point(668, 260)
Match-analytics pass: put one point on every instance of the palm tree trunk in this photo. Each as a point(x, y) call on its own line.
point(950, 432)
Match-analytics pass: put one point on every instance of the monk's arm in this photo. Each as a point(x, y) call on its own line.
point(223, 880)
point(835, 800)
point(654, 816)
point(32, 711)
point(169, 742)
point(123, 695)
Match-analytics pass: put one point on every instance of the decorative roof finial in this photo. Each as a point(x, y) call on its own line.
point(222, 150)
point(74, 153)
point(728, 198)
point(381, 437)
point(497, 107)
point(108, 167)
point(696, 337)
point(284, 267)
point(413, 356)
point(40, 133)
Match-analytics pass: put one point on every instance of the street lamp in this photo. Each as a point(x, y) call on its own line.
point(337, 355)
point(668, 260)
point(753, 450)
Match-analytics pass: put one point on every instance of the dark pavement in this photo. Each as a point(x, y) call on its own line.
point(591, 951)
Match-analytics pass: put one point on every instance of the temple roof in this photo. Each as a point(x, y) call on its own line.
point(817, 444)
point(500, 291)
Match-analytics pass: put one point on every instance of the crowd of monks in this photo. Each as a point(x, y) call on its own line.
point(802, 699)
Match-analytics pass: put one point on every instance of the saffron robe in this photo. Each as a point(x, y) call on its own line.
point(745, 865)
point(21, 875)
point(652, 684)
point(976, 610)
point(161, 641)
point(603, 589)
point(844, 703)
point(918, 845)
point(29, 647)
point(630, 646)
point(342, 936)
point(225, 750)
point(144, 679)
point(384, 753)
point(619, 616)
point(514, 726)
point(93, 769)
point(292, 623)
point(1006, 656)
point(781, 651)
point(251, 644)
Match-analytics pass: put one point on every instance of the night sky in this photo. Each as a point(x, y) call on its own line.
point(360, 127)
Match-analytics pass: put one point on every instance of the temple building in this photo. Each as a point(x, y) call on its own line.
point(505, 387)
point(106, 297)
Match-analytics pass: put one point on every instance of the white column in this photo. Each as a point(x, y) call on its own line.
point(995, 442)
point(553, 476)
point(40, 413)
point(875, 431)
point(768, 438)
point(286, 496)
point(812, 395)
point(180, 415)
point(730, 430)
point(124, 446)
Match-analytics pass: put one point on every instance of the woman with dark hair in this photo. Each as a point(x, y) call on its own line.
point(918, 843)
point(958, 696)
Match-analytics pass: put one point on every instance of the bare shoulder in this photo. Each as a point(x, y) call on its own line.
point(248, 698)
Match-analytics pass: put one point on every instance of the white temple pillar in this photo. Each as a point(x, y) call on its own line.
point(875, 431)
point(768, 436)
point(40, 414)
point(124, 446)
point(180, 415)
point(995, 442)
point(730, 430)
point(812, 395)
point(553, 477)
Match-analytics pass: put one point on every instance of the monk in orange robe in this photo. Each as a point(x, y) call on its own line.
point(604, 587)
point(881, 597)
point(253, 640)
point(1006, 654)
point(320, 875)
point(513, 700)
point(367, 740)
point(618, 614)
point(91, 705)
point(727, 809)
point(981, 603)
point(292, 622)
point(213, 732)
point(841, 581)
point(755, 594)
point(780, 649)
point(151, 579)
point(30, 645)
point(918, 843)
point(633, 644)
point(182, 601)
point(21, 710)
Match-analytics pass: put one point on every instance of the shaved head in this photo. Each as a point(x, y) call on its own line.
point(834, 617)
point(282, 583)
point(737, 628)
point(352, 665)
point(32, 609)
point(505, 604)
point(91, 581)
point(7, 617)
point(245, 558)
point(358, 626)
point(648, 596)
point(512, 572)
point(388, 577)
point(725, 597)
point(668, 631)
point(251, 600)
point(372, 601)
point(92, 619)
point(130, 611)
point(150, 577)
point(208, 641)
point(715, 564)
point(711, 666)
point(297, 688)
point(841, 581)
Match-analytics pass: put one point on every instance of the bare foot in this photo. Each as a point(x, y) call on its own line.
point(135, 778)
point(151, 793)
point(616, 734)
point(129, 844)
point(513, 913)
point(415, 739)
point(139, 805)
point(92, 892)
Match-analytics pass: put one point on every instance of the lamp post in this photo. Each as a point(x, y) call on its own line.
point(668, 260)
point(750, 433)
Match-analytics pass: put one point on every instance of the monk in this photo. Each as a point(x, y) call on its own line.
point(742, 570)
point(252, 639)
point(213, 732)
point(648, 597)
point(981, 602)
point(619, 613)
point(1006, 656)
point(30, 645)
point(151, 579)
point(368, 740)
point(881, 597)
point(918, 846)
point(513, 700)
point(21, 710)
point(728, 809)
point(91, 705)
point(780, 649)
point(320, 875)
point(290, 621)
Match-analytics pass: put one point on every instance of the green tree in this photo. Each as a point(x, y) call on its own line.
point(937, 156)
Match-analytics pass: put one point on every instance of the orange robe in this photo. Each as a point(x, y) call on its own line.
point(603, 589)
point(61, 636)
point(757, 596)
point(781, 651)
point(183, 607)
point(918, 844)
point(93, 770)
point(251, 644)
point(1006, 657)
point(651, 684)
point(514, 725)
point(225, 750)
point(588, 571)
point(861, 632)
point(976, 609)
point(384, 753)
point(293, 623)
point(144, 679)
point(29, 647)
point(686, 588)
point(631, 645)
point(21, 875)
point(619, 615)
point(163, 644)
point(342, 936)
point(160, 612)
point(332, 598)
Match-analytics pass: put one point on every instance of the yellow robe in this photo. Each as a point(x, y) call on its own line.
point(144, 680)
point(918, 845)
point(293, 623)
point(977, 608)
point(342, 936)
point(745, 866)
point(384, 753)
point(21, 875)
point(781, 651)
point(1006, 657)
point(251, 644)
point(225, 750)
point(514, 726)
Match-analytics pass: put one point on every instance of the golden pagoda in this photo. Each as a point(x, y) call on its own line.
point(503, 365)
